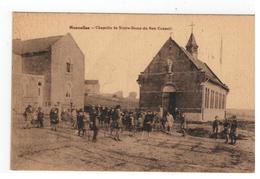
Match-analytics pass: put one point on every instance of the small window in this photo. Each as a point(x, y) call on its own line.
point(212, 99)
point(219, 100)
point(207, 98)
point(68, 67)
point(216, 100)
point(223, 101)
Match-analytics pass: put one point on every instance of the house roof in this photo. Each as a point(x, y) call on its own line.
point(34, 45)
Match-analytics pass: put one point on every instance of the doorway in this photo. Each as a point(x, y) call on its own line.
point(168, 98)
point(169, 101)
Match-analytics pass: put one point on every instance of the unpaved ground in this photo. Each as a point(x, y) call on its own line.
point(43, 149)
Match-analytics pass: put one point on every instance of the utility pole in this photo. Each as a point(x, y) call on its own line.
point(221, 53)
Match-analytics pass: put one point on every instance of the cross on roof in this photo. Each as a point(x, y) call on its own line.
point(192, 25)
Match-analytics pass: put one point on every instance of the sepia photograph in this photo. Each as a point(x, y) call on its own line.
point(133, 92)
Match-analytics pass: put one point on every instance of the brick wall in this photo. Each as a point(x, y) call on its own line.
point(186, 80)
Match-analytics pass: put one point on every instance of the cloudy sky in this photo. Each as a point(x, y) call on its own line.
point(115, 56)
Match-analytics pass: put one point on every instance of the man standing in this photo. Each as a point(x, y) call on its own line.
point(54, 118)
point(233, 131)
point(147, 125)
point(215, 127)
point(93, 123)
point(117, 122)
point(106, 120)
point(80, 122)
point(40, 118)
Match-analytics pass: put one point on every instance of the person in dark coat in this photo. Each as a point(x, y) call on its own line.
point(80, 122)
point(130, 123)
point(40, 117)
point(54, 119)
point(147, 124)
point(233, 131)
point(176, 114)
point(117, 122)
point(93, 123)
point(103, 113)
point(113, 123)
point(215, 127)
point(106, 117)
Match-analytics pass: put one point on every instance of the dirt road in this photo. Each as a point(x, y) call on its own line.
point(43, 149)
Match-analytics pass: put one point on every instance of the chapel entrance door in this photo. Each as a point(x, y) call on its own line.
point(165, 101)
point(168, 98)
point(169, 102)
point(172, 102)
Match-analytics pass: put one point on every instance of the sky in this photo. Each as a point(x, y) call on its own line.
point(115, 57)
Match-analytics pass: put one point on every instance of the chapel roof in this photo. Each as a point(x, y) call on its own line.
point(200, 65)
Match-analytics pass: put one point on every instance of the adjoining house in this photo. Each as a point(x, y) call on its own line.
point(176, 78)
point(92, 87)
point(46, 72)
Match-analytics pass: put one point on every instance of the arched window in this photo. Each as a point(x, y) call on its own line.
point(69, 65)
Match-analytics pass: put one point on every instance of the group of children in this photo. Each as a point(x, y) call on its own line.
point(229, 129)
point(114, 121)
point(33, 117)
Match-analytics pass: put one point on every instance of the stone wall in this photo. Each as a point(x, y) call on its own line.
point(62, 52)
point(25, 91)
point(39, 64)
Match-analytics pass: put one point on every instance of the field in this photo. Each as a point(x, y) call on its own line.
point(43, 149)
point(244, 114)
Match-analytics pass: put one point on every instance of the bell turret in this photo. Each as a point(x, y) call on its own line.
point(192, 46)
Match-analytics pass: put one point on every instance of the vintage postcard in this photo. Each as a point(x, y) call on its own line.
point(133, 92)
